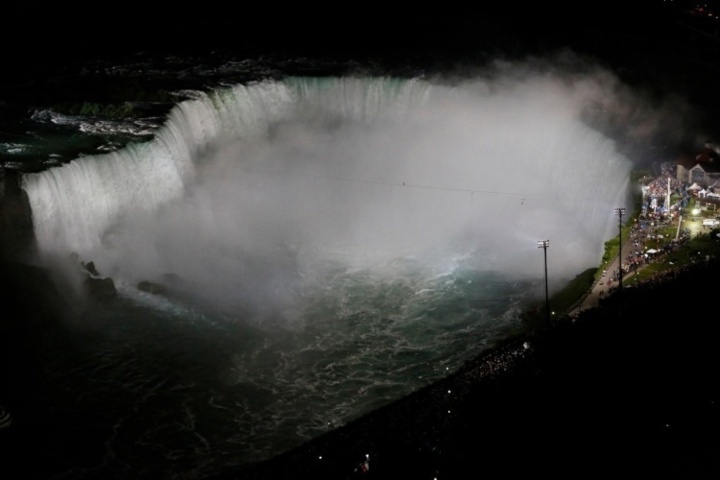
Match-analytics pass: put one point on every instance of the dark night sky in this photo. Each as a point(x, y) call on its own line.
point(42, 38)
point(59, 31)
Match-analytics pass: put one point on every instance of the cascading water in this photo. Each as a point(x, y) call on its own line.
point(339, 242)
point(371, 167)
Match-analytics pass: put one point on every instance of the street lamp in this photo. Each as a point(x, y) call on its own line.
point(620, 212)
point(544, 244)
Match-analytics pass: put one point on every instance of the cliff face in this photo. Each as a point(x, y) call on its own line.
point(17, 239)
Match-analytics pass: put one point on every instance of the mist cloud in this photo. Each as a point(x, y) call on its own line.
point(359, 172)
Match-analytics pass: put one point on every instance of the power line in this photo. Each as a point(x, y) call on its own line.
point(471, 191)
point(415, 185)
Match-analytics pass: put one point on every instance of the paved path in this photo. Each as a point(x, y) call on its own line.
point(601, 288)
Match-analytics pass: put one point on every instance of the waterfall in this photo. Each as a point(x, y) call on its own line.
point(359, 169)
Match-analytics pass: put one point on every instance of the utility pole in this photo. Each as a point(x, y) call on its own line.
point(544, 244)
point(620, 212)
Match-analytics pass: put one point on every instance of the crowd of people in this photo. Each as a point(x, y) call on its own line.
point(647, 244)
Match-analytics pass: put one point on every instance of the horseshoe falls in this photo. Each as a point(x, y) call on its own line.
point(328, 245)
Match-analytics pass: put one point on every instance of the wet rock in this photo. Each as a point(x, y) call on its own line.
point(152, 287)
point(17, 238)
point(100, 288)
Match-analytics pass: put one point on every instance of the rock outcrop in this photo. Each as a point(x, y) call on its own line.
point(97, 286)
point(17, 239)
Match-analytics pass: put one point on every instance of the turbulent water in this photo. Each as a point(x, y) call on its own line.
point(329, 245)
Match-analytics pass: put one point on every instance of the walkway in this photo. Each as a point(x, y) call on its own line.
point(600, 288)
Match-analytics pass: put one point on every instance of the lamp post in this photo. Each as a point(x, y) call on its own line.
point(544, 244)
point(620, 212)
